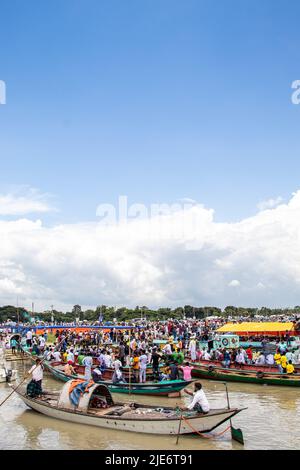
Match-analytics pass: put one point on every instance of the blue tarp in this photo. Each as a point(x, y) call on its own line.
point(77, 392)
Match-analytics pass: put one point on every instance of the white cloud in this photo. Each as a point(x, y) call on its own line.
point(24, 201)
point(269, 203)
point(184, 258)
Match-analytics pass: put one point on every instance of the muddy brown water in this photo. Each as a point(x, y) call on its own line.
point(271, 421)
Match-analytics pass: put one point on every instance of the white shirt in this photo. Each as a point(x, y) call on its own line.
point(88, 361)
point(107, 360)
point(70, 357)
point(143, 361)
point(117, 364)
point(56, 355)
point(29, 335)
point(270, 359)
point(199, 397)
point(37, 372)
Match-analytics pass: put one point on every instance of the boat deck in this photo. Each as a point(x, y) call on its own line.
point(138, 412)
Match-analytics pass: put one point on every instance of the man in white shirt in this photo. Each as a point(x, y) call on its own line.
point(143, 367)
point(29, 338)
point(199, 402)
point(42, 342)
point(71, 357)
point(117, 364)
point(57, 356)
point(167, 349)
point(270, 359)
point(34, 388)
point(107, 360)
point(260, 361)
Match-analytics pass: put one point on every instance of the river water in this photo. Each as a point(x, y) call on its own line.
point(271, 421)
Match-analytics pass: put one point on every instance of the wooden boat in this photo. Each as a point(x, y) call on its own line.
point(123, 416)
point(170, 388)
point(107, 374)
point(253, 367)
point(260, 376)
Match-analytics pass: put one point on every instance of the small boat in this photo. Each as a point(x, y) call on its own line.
point(258, 376)
point(6, 374)
point(170, 388)
point(96, 408)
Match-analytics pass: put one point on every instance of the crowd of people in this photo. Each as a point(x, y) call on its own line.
point(175, 344)
point(170, 347)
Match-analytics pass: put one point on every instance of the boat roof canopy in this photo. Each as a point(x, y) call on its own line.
point(256, 327)
point(84, 401)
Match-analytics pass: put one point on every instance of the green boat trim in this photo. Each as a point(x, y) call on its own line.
point(165, 387)
point(246, 376)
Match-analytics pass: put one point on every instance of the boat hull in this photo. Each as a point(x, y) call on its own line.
point(246, 376)
point(164, 388)
point(203, 423)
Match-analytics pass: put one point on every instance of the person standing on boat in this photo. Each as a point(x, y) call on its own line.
point(155, 358)
point(70, 356)
point(227, 359)
point(143, 366)
point(249, 355)
point(199, 402)
point(277, 359)
point(192, 349)
point(88, 362)
point(29, 338)
point(283, 361)
point(13, 344)
point(34, 388)
point(122, 353)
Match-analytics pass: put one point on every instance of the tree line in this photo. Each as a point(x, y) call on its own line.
point(20, 314)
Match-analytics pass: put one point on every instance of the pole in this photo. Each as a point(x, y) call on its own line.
point(179, 427)
point(228, 405)
point(27, 377)
point(129, 368)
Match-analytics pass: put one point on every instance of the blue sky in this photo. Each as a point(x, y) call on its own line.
point(157, 100)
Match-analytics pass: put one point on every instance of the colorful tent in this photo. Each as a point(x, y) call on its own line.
point(267, 328)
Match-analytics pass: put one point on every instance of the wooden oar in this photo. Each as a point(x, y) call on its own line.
point(236, 434)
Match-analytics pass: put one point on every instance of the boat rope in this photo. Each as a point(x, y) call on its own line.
point(212, 436)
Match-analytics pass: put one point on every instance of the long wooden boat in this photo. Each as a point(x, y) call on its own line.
point(170, 388)
point(212, 372)
point(123, 416)
point(107, 374)
point(254, 367)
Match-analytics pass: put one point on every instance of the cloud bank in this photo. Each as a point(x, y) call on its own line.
point(183, 258)
point(24, 201)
